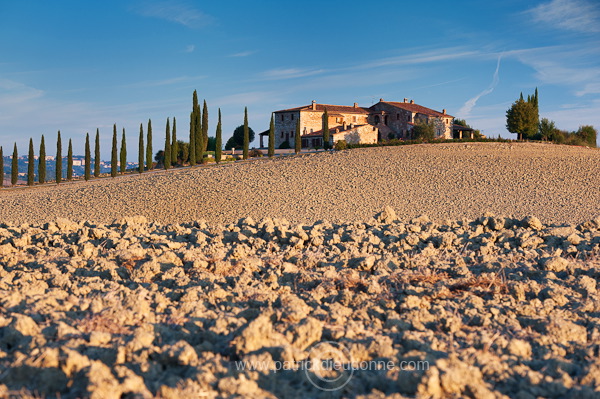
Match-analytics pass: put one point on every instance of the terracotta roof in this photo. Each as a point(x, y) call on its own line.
point(417, 109)
point(461, 127)
point(330, 109)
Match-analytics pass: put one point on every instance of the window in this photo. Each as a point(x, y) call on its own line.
point(281, 134)
point(281, 119)
point(354, 118)
point(292, 115)
point(397, 117)
point(292, 133)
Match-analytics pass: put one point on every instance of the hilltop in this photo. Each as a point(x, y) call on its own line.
point(445, 181)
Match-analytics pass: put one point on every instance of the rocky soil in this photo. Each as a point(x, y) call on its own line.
point(497, 306)
point(558, 184)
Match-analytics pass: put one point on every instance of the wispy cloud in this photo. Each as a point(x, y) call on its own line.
point(574, 66)
point(190, 48)
point(466, 109)
point(290, 73)
point(243, 54)
point(421, 57)
point(175, 11)
point(13, 93)
point(573, 15)
point(164, 82)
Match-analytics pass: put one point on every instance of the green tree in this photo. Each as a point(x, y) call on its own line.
point(212, 144)
point(88, 158)
point(42, 162)
point(123, 153)
point(205, 126)
point(192, 144)
point(271, 151)
point(325, 127)
point(31, 164)
point(196, 144)
point(297, 138)
point(588, 134)
point(219, 140)
point(167, 150)
point(97, 154)
point(14, 172)
point(184, 151)
point(141, 153)
point(113, 155)
point(237, 140)
point(149, 162)
point(199, 135)
point(58, 175)
point(70, 161)
point(174, 145)
point(522, 119)
point(1, 167)
point(246, 134)
point(547, 129)
point(424, 131)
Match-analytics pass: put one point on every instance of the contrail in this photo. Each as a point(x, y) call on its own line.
point(465, 111)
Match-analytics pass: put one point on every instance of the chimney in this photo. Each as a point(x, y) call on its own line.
point(355, 105)
point(405, 100)
point(381, 100)
point(314, 105)
point(444, 111)
point(412, 101)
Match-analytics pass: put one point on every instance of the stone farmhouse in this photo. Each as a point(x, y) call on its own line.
point(356, 125)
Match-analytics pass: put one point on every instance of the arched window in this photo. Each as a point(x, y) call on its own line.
point(377, 120)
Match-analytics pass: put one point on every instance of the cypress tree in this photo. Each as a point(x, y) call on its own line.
point(58, 176)
point(113, 155)
point(70, 161)
point(204, 127)
point(297, 138)
point(97, 154)
point(246, 134)
point(174, 144)
point(14, 172)
point(192, 146)
point(141, 154)
point(272, 137)
point(167, 151)
point(219, 140)
point(1, 167)
point(149, 161)
point(326, 130)
point(88, 158)
point(42, 162)
point(31, 164)
point(199, 135)
point(195, 131)
point(123, 153)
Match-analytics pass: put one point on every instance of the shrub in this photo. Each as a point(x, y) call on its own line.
point(340, 145)
point(254, 153)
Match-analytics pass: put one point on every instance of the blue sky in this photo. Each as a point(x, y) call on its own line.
point(81, 65)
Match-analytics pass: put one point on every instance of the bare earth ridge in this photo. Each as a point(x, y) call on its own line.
point(366, 305)
point(558, 184)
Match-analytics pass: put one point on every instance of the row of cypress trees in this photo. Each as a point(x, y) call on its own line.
point(145, 154)
point(197, 147)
